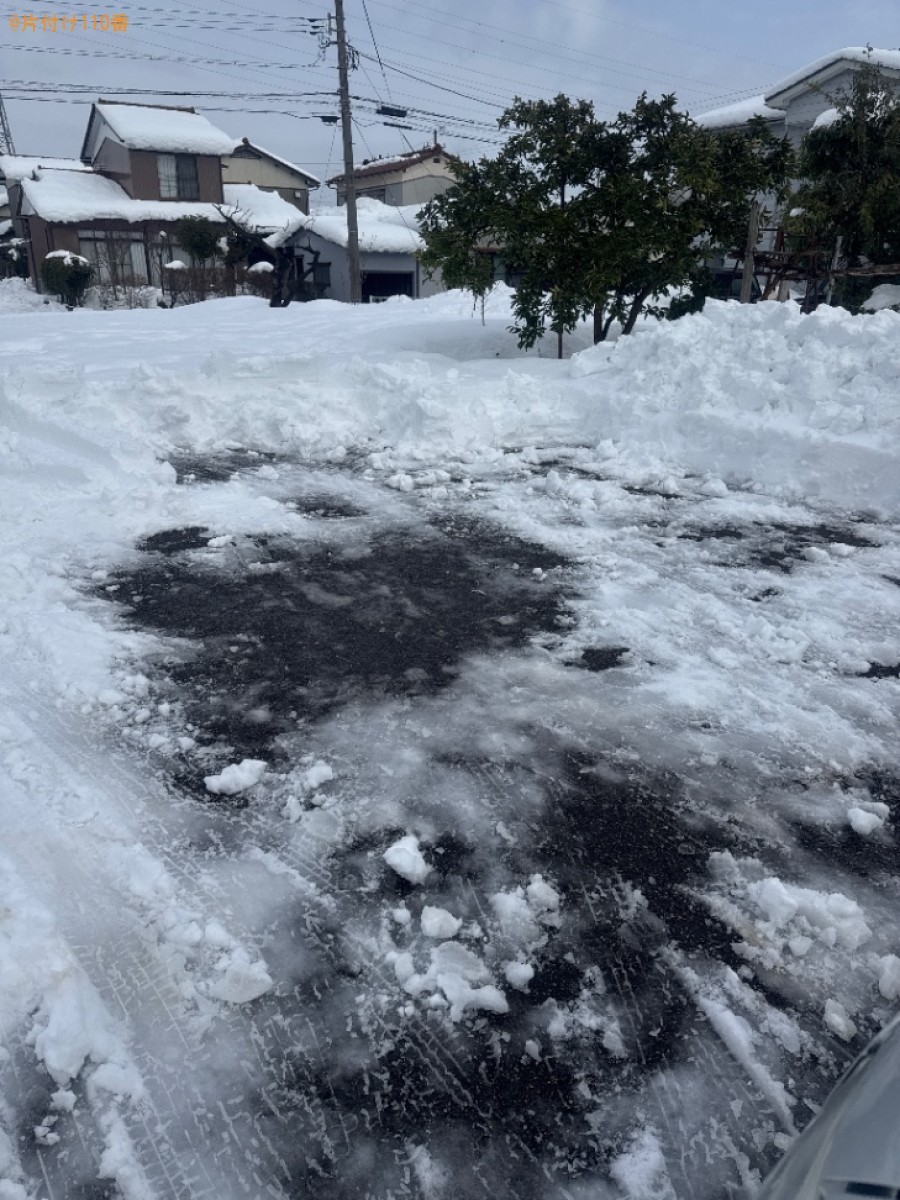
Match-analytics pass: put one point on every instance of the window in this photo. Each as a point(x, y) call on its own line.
point(322, 275)
point(118, 258)
point(178, 176)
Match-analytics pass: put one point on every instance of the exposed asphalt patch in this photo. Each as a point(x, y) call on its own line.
point(779, 546)
point(217, 468)
point(600, 658)
point(286, 631)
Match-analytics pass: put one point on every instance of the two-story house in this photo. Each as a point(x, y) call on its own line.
point(793, 105)
point(413, 178)
point(143, 167)
point(250, 163)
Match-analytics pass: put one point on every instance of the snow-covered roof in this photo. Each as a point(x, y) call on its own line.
point(282, 162)
point(399, 162)
point(170, 130)
point(739, 114)
point(14, 167)
point(831, 63)
point(383, 228)
point(70, 196)
point(266, 211)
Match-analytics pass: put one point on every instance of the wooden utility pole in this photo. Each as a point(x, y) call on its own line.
point(750, 255)
point(349, 177)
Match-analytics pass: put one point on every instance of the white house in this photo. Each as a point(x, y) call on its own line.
point(389, 245)
point(793, 105)
point(251, 163)
point(413, 178)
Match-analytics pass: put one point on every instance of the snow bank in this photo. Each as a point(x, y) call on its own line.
point(760, 394)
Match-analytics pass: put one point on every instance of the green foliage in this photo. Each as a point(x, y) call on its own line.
point(67, 277)
point(13, 259)
point(601, 217)
point(199, 236)
point(850, 188)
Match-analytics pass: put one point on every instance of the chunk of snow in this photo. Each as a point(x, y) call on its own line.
point(640, 1171)
point(438, 923)
point(463, 997)
point(519, 975)
point(889, 977)
point(838, 1020)
point(260, 268)
point(405, 857)
point(241, 979)
point(541, 896)
point(237, 777)
point(313, 777)
point(863, 822)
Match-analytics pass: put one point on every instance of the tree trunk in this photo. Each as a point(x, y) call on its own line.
point(600, 329)
point(559, 343)
point(634, 312)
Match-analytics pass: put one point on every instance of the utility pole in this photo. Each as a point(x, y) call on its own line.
point(6, 142)
point(349, 178)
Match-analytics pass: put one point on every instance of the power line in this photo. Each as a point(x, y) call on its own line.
point(375, 44)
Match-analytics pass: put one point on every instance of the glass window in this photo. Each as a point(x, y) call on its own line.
point(322, 275)
point(168, 176)
point(186, 172)
point(178, 176)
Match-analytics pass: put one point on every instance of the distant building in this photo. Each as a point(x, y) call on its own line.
point(389, 246)
point(413, 178)
point(250, 163)
point(793, 106)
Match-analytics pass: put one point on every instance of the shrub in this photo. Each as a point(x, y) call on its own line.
point(199, 236)
point(13, 259)
point(67, 275)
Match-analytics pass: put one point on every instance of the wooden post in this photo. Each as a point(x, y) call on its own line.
point(349, 177)
point(835, 263)
point(750, 256)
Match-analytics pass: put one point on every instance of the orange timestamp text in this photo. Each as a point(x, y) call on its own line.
point(54, 22)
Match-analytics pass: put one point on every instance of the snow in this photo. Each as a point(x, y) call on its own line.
point(261, 268)
point(69, 197)
point(405, 857)
point(168, 130)
point(4, 197)
point(382, 228)
point(472, 878)
point(68, 257)
point(889, 59)
point(262, 210)
point(885, 295)
point(15, 167)
point(827, 118)
point(733, 115)
point(237, 777)
point(438, 923)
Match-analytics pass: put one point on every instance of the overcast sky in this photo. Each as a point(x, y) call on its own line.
point(454, 69)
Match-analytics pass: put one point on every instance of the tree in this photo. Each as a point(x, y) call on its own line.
point(600, 217)
point(67, 275)
point(199, 236)
point(850, 181)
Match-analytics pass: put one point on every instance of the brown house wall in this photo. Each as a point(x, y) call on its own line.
point(209, 176)
point(145, 177)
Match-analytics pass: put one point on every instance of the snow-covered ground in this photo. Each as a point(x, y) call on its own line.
point(429, 769)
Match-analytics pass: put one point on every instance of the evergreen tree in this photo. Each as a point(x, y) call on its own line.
point(601, 217)
point(850, 189)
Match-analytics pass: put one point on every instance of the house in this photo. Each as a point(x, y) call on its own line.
point(143, 167)
point(250, 163)
point(413, 178)
point(793, 106)
point(389, 244)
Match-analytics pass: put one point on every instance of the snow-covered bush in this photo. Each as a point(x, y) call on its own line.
point(67, 276)
point(13, 259)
